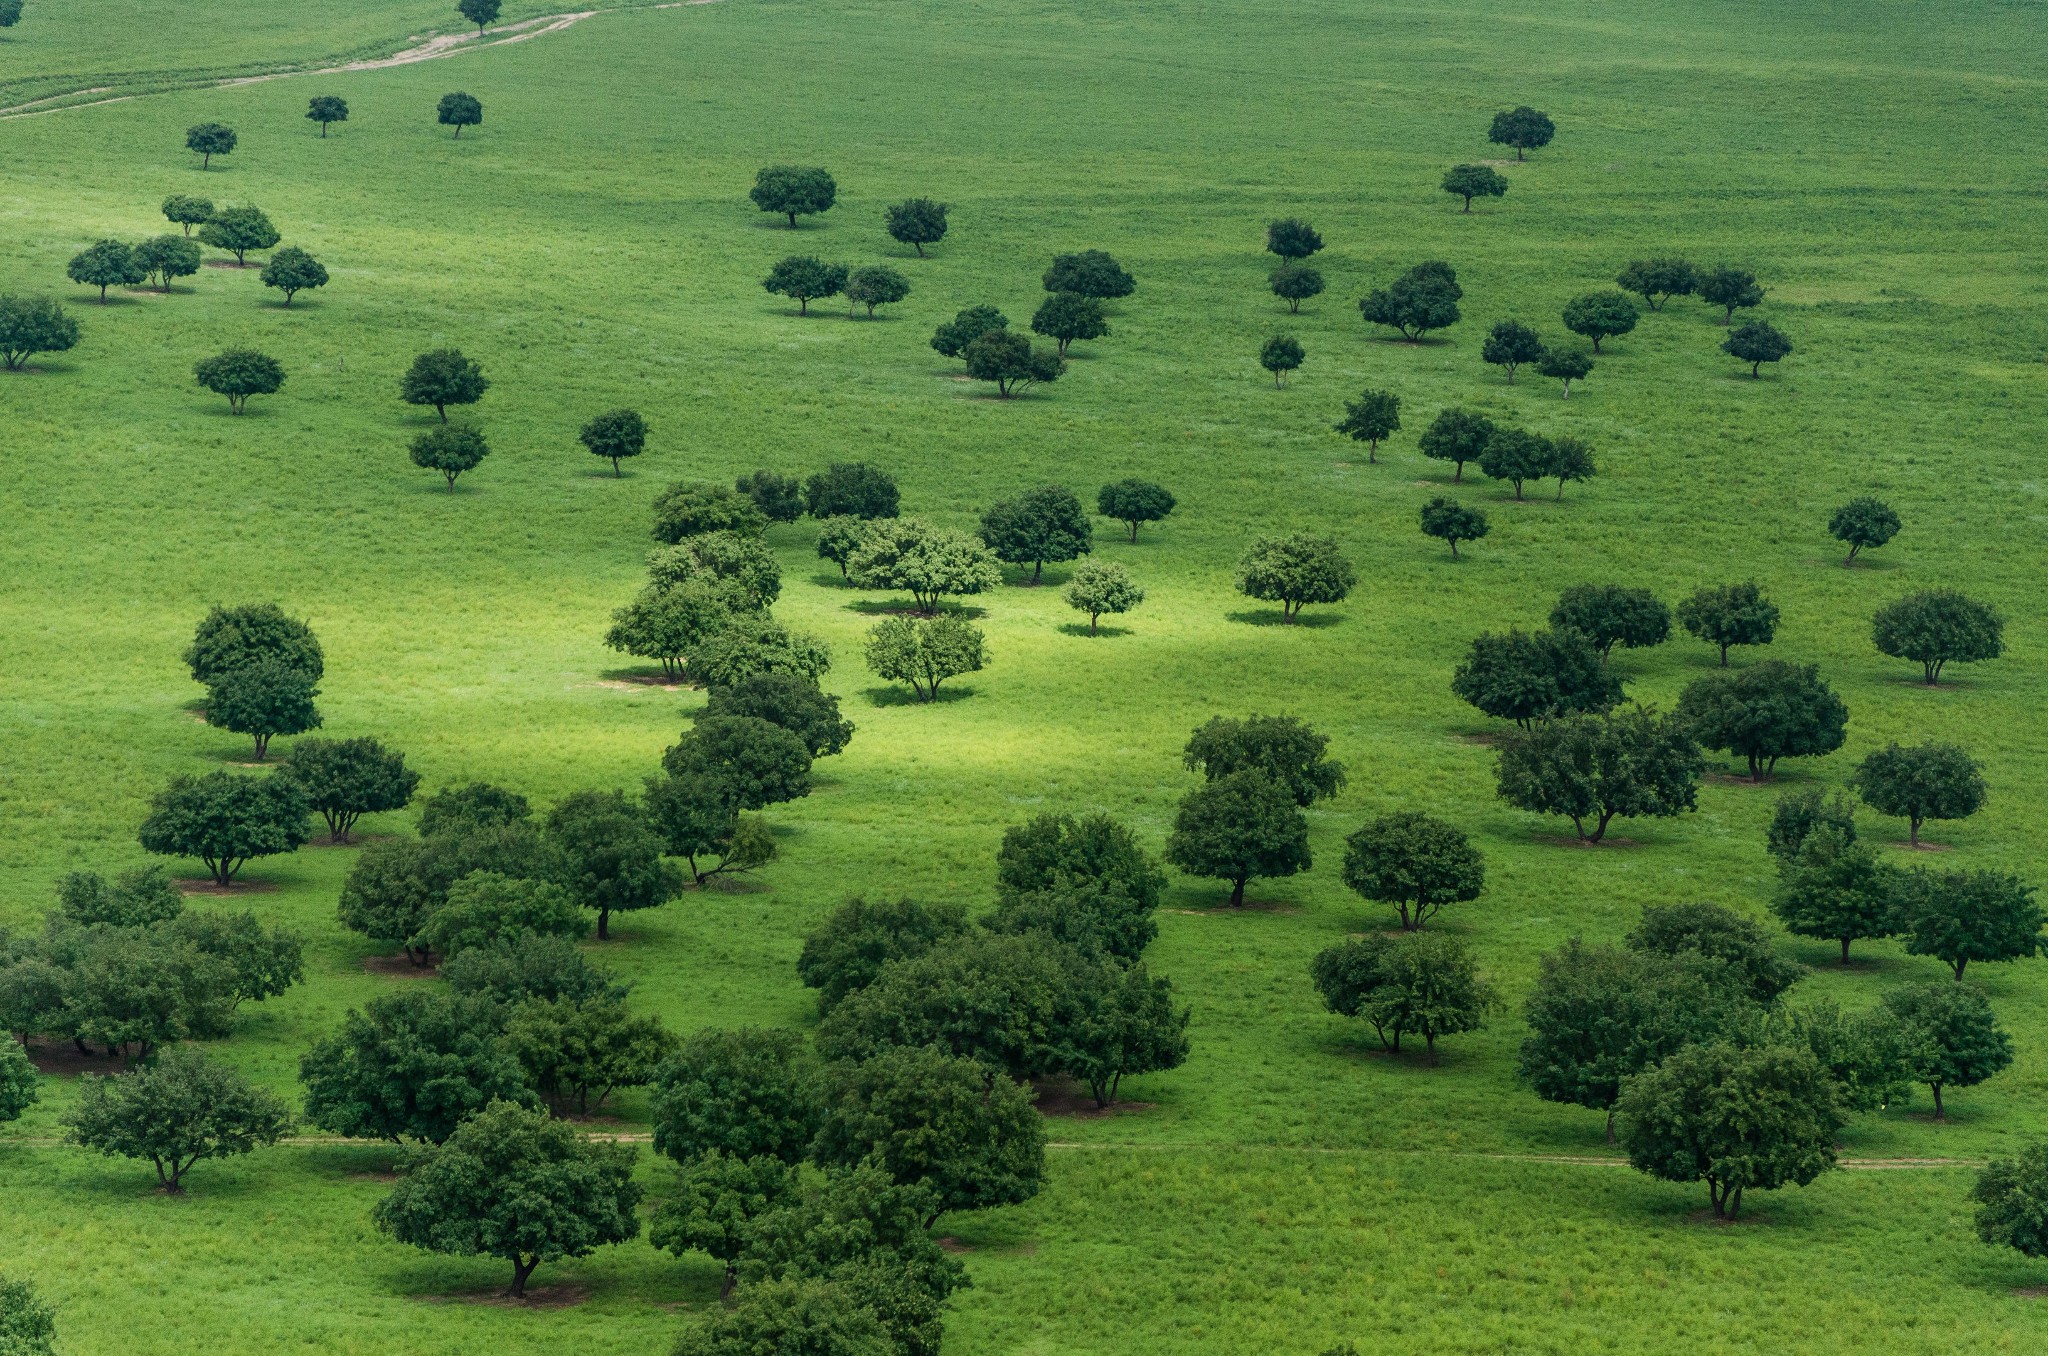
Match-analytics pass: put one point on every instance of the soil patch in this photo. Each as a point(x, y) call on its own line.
point(1733, 779)
point(62, 1058)
point(2030, 1292)
point(1078, 1104)
point(225, 263)
point(1707, 1216)
point(1922, 846)
point(325, 840)
point(536, 1297)
point(210, 887)
point(399, 967)
point(954, 1245)
point(1484, 741)
point(1610, 841)
point(641, 684)
point(381, 1178)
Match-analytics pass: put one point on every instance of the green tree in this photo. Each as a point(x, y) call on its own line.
point(1800, 813)
point(260, 963)
point(1064, 317)
point(779, 497)
point(1132, 502)
point(134, 899)
point(1954, 1038)
point(1039, 525)
point(414, 1064)
point(853, 490)
point(459, 110)
point(674, 624)
point(805, 279)
point(1613, 614)
point(1449, 521)
point(1731, 289)
point(442, 377)
point(1963, 916)
point(1011, 362)
point(1863, 524)
point(1474, 181)
point(921, 558)
point(578, 1051)
point(750, 1093)
point(479, 12)
point(477, 805)
point(698, 822)
point(2012, 1200)
point(757, 644)
point(167, 257)
point(1756, 343)
point(1457, 436)
point(795, 703)
point(1101, 586)
point(691, 508)
point(175, 1112)
point(28, 1326)
point(1295, 570)
point(1091, 273)
point(1517, 456)
point(1565, 365)
point(291, 271)
point(485, 906)
point(1937, 627)
point(713, 1203)
point(188, 211)
point(1093, 863)
point(108, 263)
point(1768, 711)
point(450, 449)
point(1126, 1024)
point(1509, 344)
point(1239, 828)
point(239, 373)
point(225, 819)
point(1601, 767)
point(743, 564)
point(1656, 280)
point(1866, 1054)
point(209, 139)
point(1600, 315)
point(1726, 615)
point(1531, 677)
point(1285, 748)
point(1292, 238)
point(326, 109)
point(1923, 782)
point(1425, 984)
point(514, 1184)
point(611, 855)
point(18, 1092)
point(874, 286)
point(847, 951)
point(123, 988)
point(1424, 298)
point(1415, 862)
point(1294, 284)
point(229, 638)
point(32, 325)
point(925, 651)
point(1733, 950)
point(1523, 128)
point(953, 337)
point(509, 970)
point(616, 435)
point(793, 191)
point(262, 700)
point(810, 1316)
point(754, 763)
point(238, 230)
point(1834, 887)
point(1280, 355)
point(916, 222)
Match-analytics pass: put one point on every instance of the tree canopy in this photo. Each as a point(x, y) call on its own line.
point(327, 109)
point(925, 651)
point(1658, 280)
point(1285, 748)
point(1010, 361)
point(853, 490)
point(239, 230)
point(1295, 283)
point(953, 337)
point(1919, 783)
point(1425, 984)
point(239, 373)
point(1863, 524)
point(1756, 343)
point(1415, 862)
point(1456, 435)
point(1039, 525)
point(793, 191)
point(1523, 128)
point(449, 449)
point(1064, 317)
point(291, 271)
point(225, 819)
point(804, 278)
point(1450, 521)
point(1132, 502)
point(1954, 1039)
point(1239, 828)
point(875, 285)
point(109, 263)
point(32, 325)
point(1600, 315)
point(1474, 181)
point(1593, 769)
point(1731, 289)
point(442, 377)
point(1613, 614)
point(1726, 615)
point(1938, 627)
point(1092, 273)
point(916, 222)
point(459, 110)
point(175, 1112)
point(1295, 570)
point(617, 435)
point(1424, 298)
point(1768, 711)
point(1963, 916)
point(1370, 419)
point(1510, 344)
point(1101, 586)
point(1529, 677)
point(209, 139)
point(414, 1064)
point(925, 560)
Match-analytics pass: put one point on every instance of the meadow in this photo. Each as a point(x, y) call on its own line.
point(591, 245)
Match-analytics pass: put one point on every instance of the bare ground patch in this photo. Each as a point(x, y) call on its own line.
point(1608, 842)
point(63, 1059)
point(213, 887)
point(399, 966)
point(1065, 1098)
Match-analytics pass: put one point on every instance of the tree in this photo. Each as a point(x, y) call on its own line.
point(32, 325)
point(479, 805)
point(1768, 711)
point(1866, 1054)
point(1799, 814)
point(1517, 456)
point(749, 1093)
point(28, 1326)
point(1132, 502)
point(931, 1119)
point(225, 819)
point(1738, 1120)
point(511, 970)
point(209, 139)
point(390, 893)
point(754, 763)
point(1295, 283)
point(1655, 280)
point(616, 435)
point(693, 508)
point(1415, 862)
point(135, 899)
point(916, 222)
point(875, 286)
point(1566, 365)
point(1731, 289)
point(257, 963)
point(1613, 614)
point(1530, 677)
point(479, 12)
point(165, 257)
point(2012, 1200)
point(1732, 950)
point(122, 988)
point(1954, 1038)
point(175, 1112)
point(805, 279)
point(793, 191)
point(1600, 315)
point(751, 644)
point(1834, 887)
point(1456, 435)
point(106, 264)
point(1238, 828)
point(1863, 523)
point(578, 1051)
point(239, 373)
point(795, 703)
point(1039, 525)
point(847, 951)
point(674, 624)
point(851, 489)
point(808, 1315)
point(414, 1064)
point(18, 1092)
point(1424, 298)
point(1937, 627)
point(450, 449)
point(1726, 615)
point(1094, 859)
point(779, 497)
point(925, 651)
point(697, 820)
point(1474, 181)
point(459, 110)
point(486, 906)
point(838, 538)
point(325, 109)
point(1601, 767)
point(1449, 521)
point(713, 1204)
point(1511, 343)
point(1963, 916)
point(10, 15)
point(1292, 238)
point(612, 857)
point(1100, 586)
point(1066, 316)
point(1295, 570)
point(953, 337)
point(188, 211)
point(442, 377)
point(1756, 343)
point(514, 1184)
point(239, 230)
point(1127, 1024)
point(291, 270)
point(1926, 781)
point(1091, 273)
point(262, 700)
point(923, 559)
point(1285, 748)
point(229, 638)
point(1011, 362)
point(1522, 128)
point(1280, 355)
point(1427, 984)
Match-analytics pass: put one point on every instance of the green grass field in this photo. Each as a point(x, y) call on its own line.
point(591, 244)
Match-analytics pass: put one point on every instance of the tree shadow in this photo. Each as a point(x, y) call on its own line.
point(900, 607)
point(1081, 629)
point(831, 579)
point(1265, 616)
point(903, 696)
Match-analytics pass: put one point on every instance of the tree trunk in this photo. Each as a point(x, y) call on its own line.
point(1429, 1040)
point(1940, 1112)
point(1913, 831)
point(521, 1269)
point(1237, 892)
point(1610, 1125)
point(604, 925)
point(1458, 476)
point(1454, 548)
point(1724, 656)
point(732, 1278)
point(1845, 951)
point(1960, 965)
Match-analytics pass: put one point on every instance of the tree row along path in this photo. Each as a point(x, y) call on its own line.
point(430, 49)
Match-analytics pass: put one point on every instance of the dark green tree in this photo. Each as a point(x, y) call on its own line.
point(1613, 614)
point(1733, 950)
point(795, 703)
point(805, 279)
point(291, 271)
point(757, 644)
point(326, 109)
point(927, 561)
point(167, 258)
point(1457, 436)
point(442, 377)
point(1092, 862)
point(450, 449)
point(1954, 1039)
point(176, 1111)
point(916, 222)
point(1125, 1023)
point(108, 263)
point(793, 191)
point(1424, 298)
point(578, 1051)
point(712, 1206)
point(1835, 888)
point(209, 139)
point(779, 497)
point(28, 1326)
point(691, 508)
point(1295, 283)
point(1239, 828)
point(615, 436)
point(1474, 181)
point(754, 763)
point(1295, 570)
point(188, 211)
point(750, 1093)
point(459, 110)
point(851, 490)
point(1415, 862)
point(1280, 355)
point(1011, 362)
point(611, 854)
point(239, 373)
point(1091, 273)
point(32, 325)
point(1523, 128)
point(846, 952)
point(1517, 456)
point(675, 624)
point(1800, 813)
point(1132, 502)
point(875, 286)
point(1863, 524)
point(1593, 769)
point(1600, 315)
point(133, 899)
point(1937, 627)
point(1424, 984)
point(815, 1317)
point(1292, 238)
point(225, 819)
point(1039, 525)
point(264, 699)
point(953, 337)
point(1731, 289)
point(1064, 317)
point(1285, 748)
point(479, 12)
point(1726, 615)
point(1963, 916)
point(1656, 280)
point(229, 638)
point(1756, 343)
point(1450, 521)
point(1923, 782)
point(485, 907)
point(1564, 365)
point(1765, 712)
point(239, 230)
point(18, 1092)
point(2012, 1200)
point(1509, 344)
point(414, 1064)
point(1530, 677)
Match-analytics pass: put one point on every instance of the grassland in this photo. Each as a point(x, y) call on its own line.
point(1877, 166)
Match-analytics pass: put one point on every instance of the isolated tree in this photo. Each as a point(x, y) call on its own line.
point(616, 435)
point(1415, 862)
point(779, 497)
point(239, 230)
point(953, 337)
point(1738, 1120)
point(916, 222)
point(1726, 615)
point(228, 638)
point(1132, 502)
point(1449, 521)
point(344, 779)
point(1424, 984)
point(1731, 289)
point(750, 1092)
point(1509, 344)
point(1953, 1037)
point(1613, 614)
point(1101, 586)
point(1835, 888)
point(753, 763)
point(1528, 677)
point(1756, 343)
point(1516, 455)
point(1010, 361)
point(209, 139)
point(793, 191)
point(176, 1111)
point(2012, 1200)
point(459, 110)
point(847, 951)
point(925, 560)
point(450, 449)
point(1963, 916)
point(1066, 316)
point(1039, 525)
point(188, 211)
point(239, 373)
point(414, 1064)
point(1863, 524)
point(1937, 627)
point(925, 651)
point(1600, 315)
point(1732, 949)
point(291, 271)
point(1239, 828)
point(1374, 416)
point(1768, 711)
point(108, 263)
point(442, 377)
point(851, 489)
point(1286, 748)
point(1295, 570)
point(805, 279)
point(479, 12)
point(1292, 238)
point(1474, 181)
point(611, 855)
point(167, 257)
point(1656, 280)
point(1923, 782)
point(875, 286)
point(1523, 128)
point(225, 819)
point(1295, 283)
point(326, 109)
point(1457, 436)
point(265, 699)
point(1424, 298)
point(1092, 273)
point(1565, 365)
point(795, 703)
point(1593, 769)
point(1280, 355)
